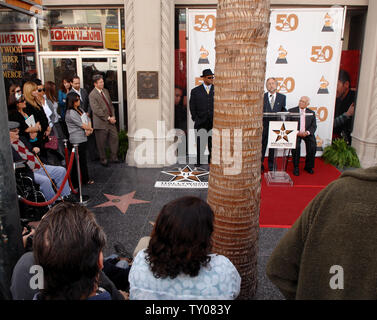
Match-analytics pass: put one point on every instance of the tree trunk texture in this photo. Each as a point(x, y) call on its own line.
point(242, 28)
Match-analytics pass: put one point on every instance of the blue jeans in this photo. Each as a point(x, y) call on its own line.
point(56, 173)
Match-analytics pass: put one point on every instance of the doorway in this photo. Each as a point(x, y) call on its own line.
point(57, 66)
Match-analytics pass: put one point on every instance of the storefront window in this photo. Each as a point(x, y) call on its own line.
point(72, 30)
point(17, 46)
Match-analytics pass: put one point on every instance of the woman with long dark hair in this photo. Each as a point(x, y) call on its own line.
point(65, 87)
point(79, 127)
point(178, 263)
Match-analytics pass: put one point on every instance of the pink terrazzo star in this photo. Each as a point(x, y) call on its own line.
point(121, 202)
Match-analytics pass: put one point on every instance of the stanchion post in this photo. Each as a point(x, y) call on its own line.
point(76, 146)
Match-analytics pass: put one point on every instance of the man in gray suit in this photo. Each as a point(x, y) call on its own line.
point(104, 121)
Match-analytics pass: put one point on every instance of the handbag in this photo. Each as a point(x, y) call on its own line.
point(52, 143)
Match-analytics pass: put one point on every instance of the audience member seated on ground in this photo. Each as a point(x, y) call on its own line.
point(68, 245)
point(117, 267)
point(178, 265)
point(23, 151)
point(330, 251)
point(20, 282)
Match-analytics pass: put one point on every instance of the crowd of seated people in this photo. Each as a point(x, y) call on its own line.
point(68, 245)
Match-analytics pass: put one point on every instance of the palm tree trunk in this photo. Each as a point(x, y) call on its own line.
point(242, 28)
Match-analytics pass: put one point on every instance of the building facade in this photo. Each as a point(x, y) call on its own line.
point(139, 47)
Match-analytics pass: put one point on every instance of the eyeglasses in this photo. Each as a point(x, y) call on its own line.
point(210, 77)
point(40, 90)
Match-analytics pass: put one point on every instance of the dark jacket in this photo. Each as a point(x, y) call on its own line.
point(20, 285)
point(84, 100)
point(279, 105)
point(337, 228)
point(310, 121)
point(201, 107)
point(341, 106)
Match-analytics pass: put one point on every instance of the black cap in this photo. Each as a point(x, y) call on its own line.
point(207, 72)
point(13, 125)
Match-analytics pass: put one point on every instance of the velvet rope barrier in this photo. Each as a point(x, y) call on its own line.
point(43, 204)
point(69, 177)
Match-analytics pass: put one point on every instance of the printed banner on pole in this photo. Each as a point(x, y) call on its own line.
point(303, 54)
point(201, 26)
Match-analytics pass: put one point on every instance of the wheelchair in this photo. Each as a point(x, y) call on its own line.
point(29, 190)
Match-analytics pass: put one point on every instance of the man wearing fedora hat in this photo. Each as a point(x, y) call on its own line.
point(201, 108)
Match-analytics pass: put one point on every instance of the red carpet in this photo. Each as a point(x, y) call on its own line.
point(281, 206)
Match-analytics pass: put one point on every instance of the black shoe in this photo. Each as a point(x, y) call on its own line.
point(309, 170)
point(262, 168)
point(75, 198)
point(121, 250)
point(296, 172)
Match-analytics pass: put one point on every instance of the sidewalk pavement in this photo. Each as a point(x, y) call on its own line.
point(126, 203)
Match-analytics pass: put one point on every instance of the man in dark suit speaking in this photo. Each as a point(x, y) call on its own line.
point(201, 108)
point(272, 102)
point(307, 126)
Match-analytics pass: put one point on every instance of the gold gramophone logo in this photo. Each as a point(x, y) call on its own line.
point(323, 86)
point(203, 56)
point(328, 24)
point(319, 142)
point(282, 56)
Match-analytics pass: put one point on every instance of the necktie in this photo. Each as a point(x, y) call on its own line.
point(302, 120)
point(107, 104)
point(25, 154)
point(272, 101)
point(207, 88)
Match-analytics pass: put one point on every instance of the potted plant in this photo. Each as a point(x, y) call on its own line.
point(341, 155)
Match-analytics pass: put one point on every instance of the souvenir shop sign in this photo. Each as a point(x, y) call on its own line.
point(23, 38)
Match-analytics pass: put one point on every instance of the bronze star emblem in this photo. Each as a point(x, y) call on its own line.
point(121, 202)
point(282, 133)
point(186, 174)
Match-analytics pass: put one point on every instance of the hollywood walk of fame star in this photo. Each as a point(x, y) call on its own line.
point(282, 133)
point(186, 174)
point(121, 202)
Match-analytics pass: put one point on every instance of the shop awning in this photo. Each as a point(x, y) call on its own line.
point(31, 8)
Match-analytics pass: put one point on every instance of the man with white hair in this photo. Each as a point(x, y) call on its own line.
point(307, 126)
